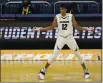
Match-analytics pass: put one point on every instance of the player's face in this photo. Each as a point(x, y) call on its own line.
point(63, 10)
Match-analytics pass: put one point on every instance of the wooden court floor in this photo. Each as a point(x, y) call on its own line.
point(70, 71)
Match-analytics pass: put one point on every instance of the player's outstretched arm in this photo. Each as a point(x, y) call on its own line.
point(53, 25)
point(75, 24)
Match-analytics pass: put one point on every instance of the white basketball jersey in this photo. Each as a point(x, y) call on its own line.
point(65, 27)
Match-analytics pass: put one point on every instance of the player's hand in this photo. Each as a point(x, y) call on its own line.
point(90, 29)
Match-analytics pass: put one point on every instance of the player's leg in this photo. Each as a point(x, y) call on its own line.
point(73, 46)
point(86, 73)
point(58, 46)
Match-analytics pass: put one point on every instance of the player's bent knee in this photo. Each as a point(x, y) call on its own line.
point(76, 52)
point(51, 59)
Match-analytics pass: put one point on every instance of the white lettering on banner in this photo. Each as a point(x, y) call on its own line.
point(6, 57)
point(56, 31)
point(30, 33)
point(60, 57)
point(23, 32)
point(70, 57)
point(8, 33)
point(38, 34)
point(43, 32)
point(1, 29)
point(76, 34)
point(26, 32)
point(90, 35)
point(20, 57)
point(49, 34)
point(16, 32)
point(29, 56)
point(46, 56)
point(86, 56)
point(83, 34)
point(97, 34)
point(1, 32)
point(41, 57)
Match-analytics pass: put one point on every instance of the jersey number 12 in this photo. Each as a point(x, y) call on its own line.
point(64, 26)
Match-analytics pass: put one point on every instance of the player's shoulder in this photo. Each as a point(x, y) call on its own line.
point(58, 14)
point(69, 14)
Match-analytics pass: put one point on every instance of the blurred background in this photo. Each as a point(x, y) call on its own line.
point(24, 52)
point(23, 15)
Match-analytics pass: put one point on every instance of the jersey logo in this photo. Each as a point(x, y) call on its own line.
point(64, 21)
point(64, 17)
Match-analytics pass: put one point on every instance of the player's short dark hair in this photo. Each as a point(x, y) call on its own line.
point(64, 6)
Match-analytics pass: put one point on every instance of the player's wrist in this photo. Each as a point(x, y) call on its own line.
point(86, 29)
point(89, 29)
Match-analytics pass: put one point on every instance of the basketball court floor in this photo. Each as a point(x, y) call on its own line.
point(62, 71)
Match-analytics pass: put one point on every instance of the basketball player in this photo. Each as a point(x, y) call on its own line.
point(65, 22)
